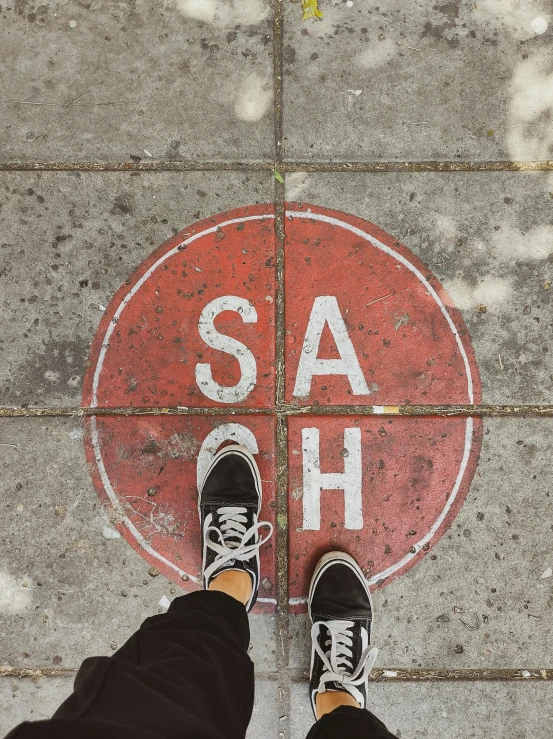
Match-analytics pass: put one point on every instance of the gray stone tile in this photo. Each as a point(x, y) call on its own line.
point(483, 249)
point(486, 571)
point(434, 710)
point(30, 700)
point(69, 240)
point(66, 592)
point(265, 717)
point(488, 239)
point(163, 81)
point(418, 81)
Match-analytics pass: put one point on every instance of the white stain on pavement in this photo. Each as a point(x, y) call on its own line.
point(51, 376)
point(378, 54)
point(254, 98)
point(14, 596)
point(531, 103)
point(446, 225)
point(296, 184)
point(224, 13)
point(539, 25)
point(510, 244)
point(201, 10)
point(109, 533)
point(249, 12)
point(490, 291)
point(519, 16)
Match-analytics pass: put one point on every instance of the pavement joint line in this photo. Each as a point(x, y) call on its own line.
point(70, 672)
point(399, 675)
point(283, 411)
point(278, 19)
point(281, 533)
point(500, 165)
point(384, 674)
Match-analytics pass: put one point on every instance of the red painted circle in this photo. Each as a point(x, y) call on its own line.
point(354, 296)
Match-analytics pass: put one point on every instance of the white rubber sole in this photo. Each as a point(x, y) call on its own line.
point(326, 561)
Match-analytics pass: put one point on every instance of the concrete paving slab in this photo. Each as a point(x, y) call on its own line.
point(435, 710)
point(103, 228)
point(487, 238)
point(393, 337)
point(69, 241)
point(30, 700)
point(401, 483)
point(165, 81)
point(421, 81)
point(147, 472)
point(482, 597)
point(66, 591)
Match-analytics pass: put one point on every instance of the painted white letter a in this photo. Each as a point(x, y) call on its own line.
point(326, 311)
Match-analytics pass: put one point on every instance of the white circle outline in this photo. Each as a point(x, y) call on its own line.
point(143, 544)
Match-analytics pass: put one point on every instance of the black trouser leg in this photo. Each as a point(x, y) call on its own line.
point(184, 673)
point(347, 722)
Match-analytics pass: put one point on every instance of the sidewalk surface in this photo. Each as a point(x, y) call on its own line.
point(425, 449)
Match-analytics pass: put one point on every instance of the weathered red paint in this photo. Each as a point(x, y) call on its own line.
point(411, 346)
point(409, 468)
point(151, 465)
point(155, 344)
point(404, 345)
point(148, 359)
point(412, 469)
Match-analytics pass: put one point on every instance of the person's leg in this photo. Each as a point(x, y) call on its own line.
point(341, 612)
point(187, 669)
point(186, 672)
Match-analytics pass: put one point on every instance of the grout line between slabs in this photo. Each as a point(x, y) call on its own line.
point(408, 675)
point(281, 532)
point(278, 20)
point(283, 410)
point(500, 165)
point(381, 675)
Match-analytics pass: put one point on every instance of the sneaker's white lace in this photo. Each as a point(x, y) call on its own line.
point(337, 657)
point(233, 537)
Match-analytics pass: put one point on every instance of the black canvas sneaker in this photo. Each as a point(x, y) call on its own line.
point(229, 503)
point(340, 609)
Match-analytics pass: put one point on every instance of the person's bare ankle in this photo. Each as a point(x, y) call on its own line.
point(327, 702)
point(234, 583)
